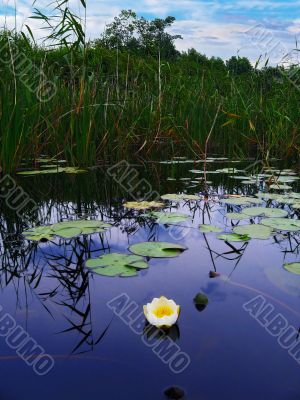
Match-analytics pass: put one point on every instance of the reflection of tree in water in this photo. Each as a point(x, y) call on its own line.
point(59, 265)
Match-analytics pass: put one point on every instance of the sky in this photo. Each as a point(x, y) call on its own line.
point(220, 28)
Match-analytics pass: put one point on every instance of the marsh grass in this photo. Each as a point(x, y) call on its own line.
point(108, 105)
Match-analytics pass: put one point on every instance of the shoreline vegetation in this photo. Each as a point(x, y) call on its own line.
point(131, 92)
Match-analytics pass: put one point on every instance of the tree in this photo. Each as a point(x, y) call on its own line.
point(128, 32)
point(239, 65)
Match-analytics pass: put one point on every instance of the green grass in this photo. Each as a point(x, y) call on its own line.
point(108, 106)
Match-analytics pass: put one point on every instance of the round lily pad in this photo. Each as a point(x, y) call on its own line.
point(282, 224)
point(234, 237)
point(157, 249)
point(180, 197)
point(293, 267)
point(266, 212)
point(280, 187)
point(237, 216)
point(68, 233)
point(254, 231)
point(143, 205)
point(241, 201)
point(116, 264)
point(171, 218)
point(204, 228)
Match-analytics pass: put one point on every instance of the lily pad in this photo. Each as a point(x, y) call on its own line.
point(68, 233)
point(293, 267)
point(204, 228)
point(266, 212)
point(67, 229)
point(157, 249)
point(171, 218)
point(116, 264)
point(254, 231)
point(241, 201)
point(280, 187)
point(234, 237)
point(237, 216)
point(180, 197)
point(143, 205)
point(38, 233)
point(282, 224)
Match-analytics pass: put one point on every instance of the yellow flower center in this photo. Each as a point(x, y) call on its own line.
point(163, 311)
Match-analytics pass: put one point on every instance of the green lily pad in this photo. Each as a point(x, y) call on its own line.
point(180, 197)
point(266, 212)
point(237, 216)
point(234, 237)
point(241, 201)
point(229, 170)
point(115, 270)
point(68, 233)
point(204, 228)
point(38, 233)
point(116, 264)
point(80, 224)
point(282, 224)
point(157, 249)
point(143, 205)
point(171, 218)
point(293, 267)
point(254, 231)
point(66, 230)
point(280, 187)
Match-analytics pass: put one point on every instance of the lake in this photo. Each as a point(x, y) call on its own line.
point(242, 344)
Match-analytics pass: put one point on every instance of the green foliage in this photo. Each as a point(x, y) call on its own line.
point(89, 101)
point(130, 33)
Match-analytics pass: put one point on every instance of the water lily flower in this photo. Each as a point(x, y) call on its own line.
point(162, 312)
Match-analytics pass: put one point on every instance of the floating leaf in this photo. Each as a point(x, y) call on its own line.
point(180, 197)
point(234, 237)
point(116, 264)
point(80, 224)
point(229, 170)
point(282, 224)
point(264, 211)
point(68, 233)
point(171, 218)
point(143, 205)
point(38, 233)
point(157, 249)
point(204, 228)
point(293, 267)
point(67, 229)
point(254, 231)
point(237, 216)
point(280, 187)
point(241, 201)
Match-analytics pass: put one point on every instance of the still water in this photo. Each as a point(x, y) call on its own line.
point(47, 289)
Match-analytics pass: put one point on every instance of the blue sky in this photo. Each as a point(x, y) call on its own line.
point(216, 28)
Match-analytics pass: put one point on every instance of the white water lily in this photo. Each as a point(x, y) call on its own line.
point(162, 312)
